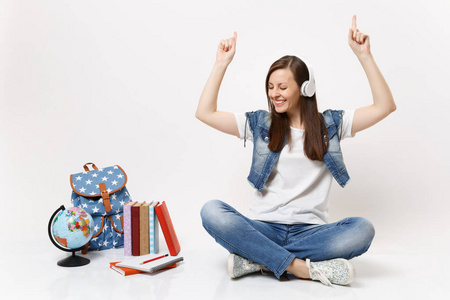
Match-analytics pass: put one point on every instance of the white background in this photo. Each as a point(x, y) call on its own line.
point(118, 82)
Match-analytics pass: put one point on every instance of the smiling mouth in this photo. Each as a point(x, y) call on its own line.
point(278, 102)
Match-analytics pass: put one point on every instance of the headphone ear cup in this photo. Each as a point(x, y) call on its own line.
point(303, 89)
point(308, 88)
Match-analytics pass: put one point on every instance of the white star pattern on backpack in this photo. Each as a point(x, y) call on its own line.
point(87, 194)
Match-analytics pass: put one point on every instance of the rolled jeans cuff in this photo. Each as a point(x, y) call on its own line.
point(284, 266)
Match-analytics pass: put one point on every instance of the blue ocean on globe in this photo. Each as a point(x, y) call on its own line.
point(72, 228)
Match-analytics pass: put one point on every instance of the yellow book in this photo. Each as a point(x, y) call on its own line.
point(143, 228)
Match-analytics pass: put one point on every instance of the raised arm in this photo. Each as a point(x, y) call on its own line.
point(207, 106)
point(383, 102)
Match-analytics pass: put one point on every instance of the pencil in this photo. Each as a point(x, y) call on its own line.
point(144, 262)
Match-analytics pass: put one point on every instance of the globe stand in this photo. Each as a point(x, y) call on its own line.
point(73, 260)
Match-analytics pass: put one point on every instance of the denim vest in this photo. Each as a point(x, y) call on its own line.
point(264, 159)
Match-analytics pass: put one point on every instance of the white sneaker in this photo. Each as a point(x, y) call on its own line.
point(238, 266)
point(338, 271)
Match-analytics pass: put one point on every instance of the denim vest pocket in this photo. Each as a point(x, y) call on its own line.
point(333, 139)
point(261, 141)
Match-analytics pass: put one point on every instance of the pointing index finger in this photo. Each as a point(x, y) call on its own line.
point(354, 22)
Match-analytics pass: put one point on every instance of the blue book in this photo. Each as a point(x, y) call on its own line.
point(153, 229)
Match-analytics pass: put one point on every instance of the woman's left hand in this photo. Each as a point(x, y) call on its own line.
point(383, 102)
point(358, 41)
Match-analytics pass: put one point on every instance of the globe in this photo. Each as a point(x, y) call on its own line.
point(72, 228)
point(69, 230)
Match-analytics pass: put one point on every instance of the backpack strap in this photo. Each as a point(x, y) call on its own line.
point(105, 196)
point(86, 168)
point(86, 247)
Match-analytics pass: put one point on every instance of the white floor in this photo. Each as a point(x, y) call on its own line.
point(33, 273)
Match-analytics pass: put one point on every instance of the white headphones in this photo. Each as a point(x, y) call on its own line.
point(308, 88)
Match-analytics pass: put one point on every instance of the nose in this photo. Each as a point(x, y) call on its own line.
point(274, 93)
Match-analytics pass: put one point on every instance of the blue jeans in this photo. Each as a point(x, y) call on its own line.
point(276, 245)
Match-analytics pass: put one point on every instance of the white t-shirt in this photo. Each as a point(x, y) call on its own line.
point(297, 188)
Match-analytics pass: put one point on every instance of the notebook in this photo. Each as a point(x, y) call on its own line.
point(127, 271)
point(133, 262)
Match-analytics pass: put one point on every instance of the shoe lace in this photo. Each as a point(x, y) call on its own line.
point(252, 266)
point(321, 274)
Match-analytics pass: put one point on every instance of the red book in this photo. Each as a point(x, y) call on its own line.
point(135, 236)
point(122, 270)
point(167, 228)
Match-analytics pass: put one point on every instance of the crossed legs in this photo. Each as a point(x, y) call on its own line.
point(282, 247)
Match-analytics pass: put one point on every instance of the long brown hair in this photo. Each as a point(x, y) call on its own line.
point(315, 146)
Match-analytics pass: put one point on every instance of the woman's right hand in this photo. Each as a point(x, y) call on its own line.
point(207, 105)
point(226, 50)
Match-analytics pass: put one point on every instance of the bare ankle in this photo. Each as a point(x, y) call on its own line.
point(299, 269)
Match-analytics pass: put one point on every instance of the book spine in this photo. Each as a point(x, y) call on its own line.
point(135, 230)
point(167, 228)
point(117, 269)
point(127, 229)
point(153, 230)
point(144, 249)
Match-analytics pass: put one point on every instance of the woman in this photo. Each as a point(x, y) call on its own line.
point(296, 155)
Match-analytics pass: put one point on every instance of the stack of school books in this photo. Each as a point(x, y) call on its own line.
point(141, 230)
point(141, 239)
